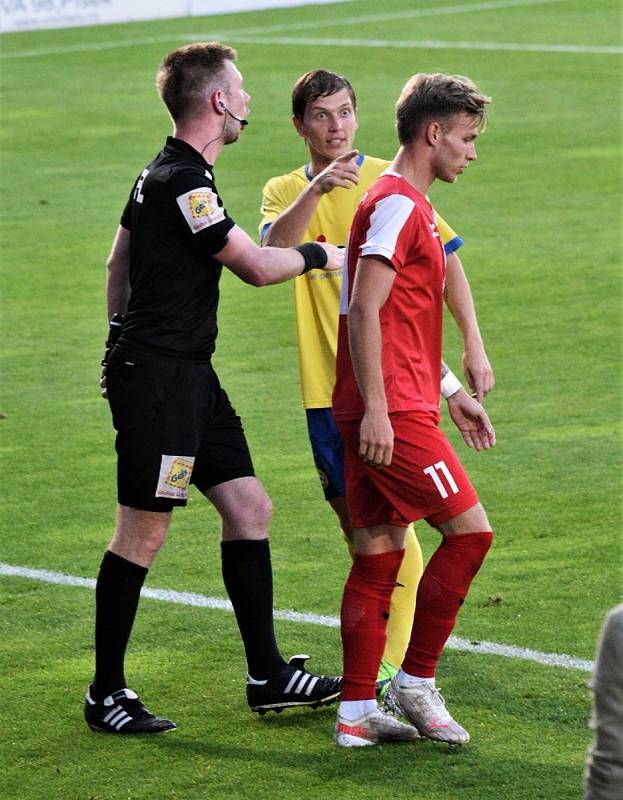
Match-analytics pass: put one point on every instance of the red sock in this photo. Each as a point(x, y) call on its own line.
point(364, 615)
point(442, 590)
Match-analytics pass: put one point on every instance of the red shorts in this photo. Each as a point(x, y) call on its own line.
point(424, 481)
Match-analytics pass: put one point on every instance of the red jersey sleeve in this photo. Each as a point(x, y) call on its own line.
point(389, 234)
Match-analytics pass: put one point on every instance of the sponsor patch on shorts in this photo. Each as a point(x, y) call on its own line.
point(175, 472)
point(200, 208)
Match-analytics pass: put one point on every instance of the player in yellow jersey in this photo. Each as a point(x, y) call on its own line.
point(317, 203)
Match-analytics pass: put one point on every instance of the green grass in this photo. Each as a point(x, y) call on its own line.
point(540, 214)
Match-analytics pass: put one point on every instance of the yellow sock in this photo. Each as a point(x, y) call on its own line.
point(402, 605)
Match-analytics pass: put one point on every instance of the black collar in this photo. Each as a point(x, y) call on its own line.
point(178, 146)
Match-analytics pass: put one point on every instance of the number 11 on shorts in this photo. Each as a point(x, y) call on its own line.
point(435, 471)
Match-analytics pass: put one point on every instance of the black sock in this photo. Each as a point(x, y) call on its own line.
point(117, 594)
point(248, 580)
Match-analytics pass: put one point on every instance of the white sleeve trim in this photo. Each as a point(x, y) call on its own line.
point(375, 249)
point(386, 223)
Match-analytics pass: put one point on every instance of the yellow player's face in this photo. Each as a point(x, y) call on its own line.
point(328, 126)
point(456, 147)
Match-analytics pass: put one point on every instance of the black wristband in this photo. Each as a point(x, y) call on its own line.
point(314, 254)
point(114, 332)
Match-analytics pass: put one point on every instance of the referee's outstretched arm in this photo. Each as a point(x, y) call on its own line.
point(262, 266)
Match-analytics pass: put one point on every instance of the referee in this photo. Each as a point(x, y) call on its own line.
point(175, 425)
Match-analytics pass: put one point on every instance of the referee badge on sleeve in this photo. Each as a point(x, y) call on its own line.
point(200, 208)
point(175, 472)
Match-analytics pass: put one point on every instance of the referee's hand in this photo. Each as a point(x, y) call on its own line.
point(103, 391)
point(335, 256)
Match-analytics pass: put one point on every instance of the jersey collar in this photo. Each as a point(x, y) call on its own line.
point(180, 147)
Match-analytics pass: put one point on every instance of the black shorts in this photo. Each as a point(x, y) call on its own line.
point(175, 426)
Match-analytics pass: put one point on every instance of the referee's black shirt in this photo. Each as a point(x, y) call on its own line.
point(177, 222)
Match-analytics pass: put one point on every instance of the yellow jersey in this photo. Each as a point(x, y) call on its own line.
point(317, 293)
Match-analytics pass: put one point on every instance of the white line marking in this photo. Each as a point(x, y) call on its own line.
point(429, 44)
point(362, 19)
point(89, 46)
point(258, 34)
point(203, 601)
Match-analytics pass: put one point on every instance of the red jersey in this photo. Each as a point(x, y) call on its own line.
point(397, 222)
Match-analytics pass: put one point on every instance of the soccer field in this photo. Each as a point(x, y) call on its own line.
point(540, 215)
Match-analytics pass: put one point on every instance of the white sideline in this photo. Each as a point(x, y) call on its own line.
point(248, 37)
point(203, 601)
point(428, 44)
point(259, 35)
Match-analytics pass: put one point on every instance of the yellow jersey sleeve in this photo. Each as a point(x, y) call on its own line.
point(450, 239)
point(278, 194)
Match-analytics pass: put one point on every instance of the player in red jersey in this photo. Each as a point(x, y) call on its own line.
point(399, 465)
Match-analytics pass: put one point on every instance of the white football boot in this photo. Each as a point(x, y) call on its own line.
point(425, 707)
point(374, 727)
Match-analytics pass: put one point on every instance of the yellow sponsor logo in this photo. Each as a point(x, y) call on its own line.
point(179, 474)
point(200, 204)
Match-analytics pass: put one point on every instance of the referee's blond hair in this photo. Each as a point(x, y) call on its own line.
point(187, 74)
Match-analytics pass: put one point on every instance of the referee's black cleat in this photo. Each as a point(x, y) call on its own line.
point(293, 687)
point(123, 712)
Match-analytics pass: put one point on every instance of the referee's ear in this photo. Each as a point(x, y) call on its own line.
point(217, 101)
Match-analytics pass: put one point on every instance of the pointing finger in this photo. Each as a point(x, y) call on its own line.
point(348, 156)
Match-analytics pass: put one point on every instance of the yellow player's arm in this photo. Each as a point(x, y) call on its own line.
point(290, 226)
point(288, 229)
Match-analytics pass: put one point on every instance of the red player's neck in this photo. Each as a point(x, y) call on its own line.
point(414, 168)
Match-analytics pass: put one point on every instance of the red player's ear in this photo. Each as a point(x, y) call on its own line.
point(433, 133)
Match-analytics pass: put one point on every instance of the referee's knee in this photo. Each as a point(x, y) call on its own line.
point(264, 510)
point(251, 515)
